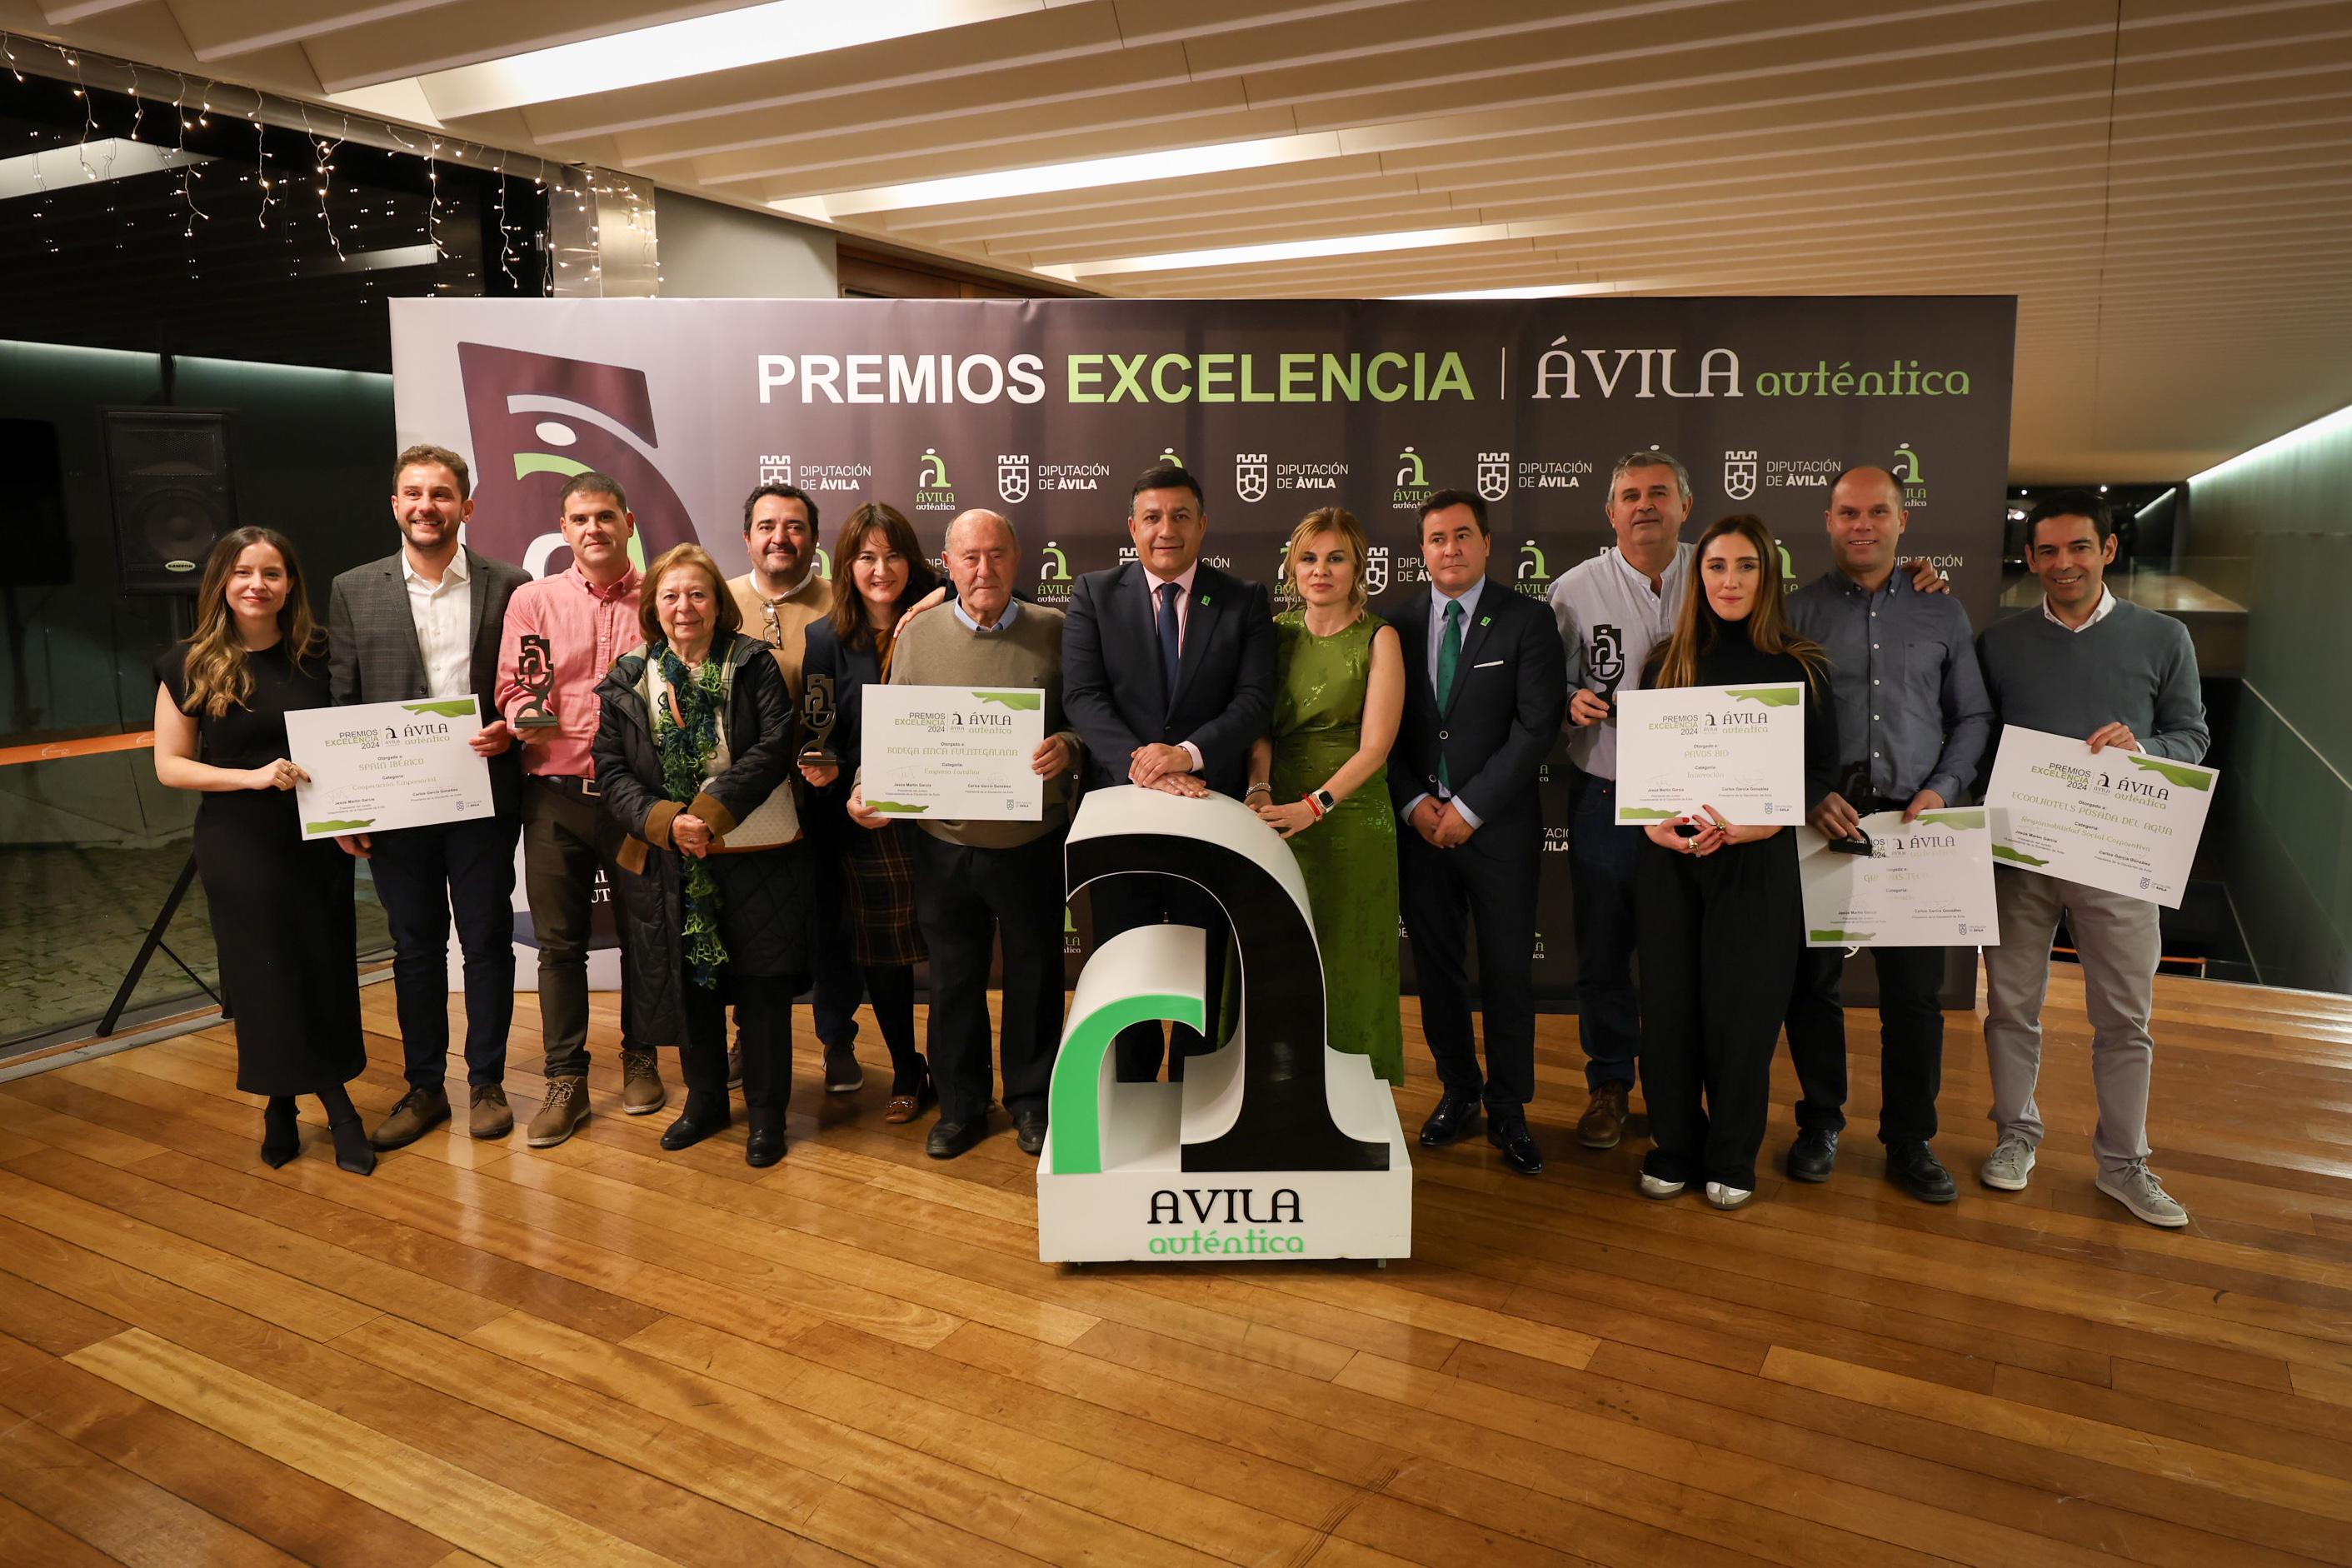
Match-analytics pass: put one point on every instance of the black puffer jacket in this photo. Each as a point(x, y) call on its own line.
point(762, 732)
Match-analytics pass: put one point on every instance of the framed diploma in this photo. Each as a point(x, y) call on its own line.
point(1926, 883)
point(2122, 821)
point(1739, 749)
point(953, 751)
point(378, 766)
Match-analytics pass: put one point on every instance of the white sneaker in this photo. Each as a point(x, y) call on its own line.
point(2009, 1165)
point(2136, 1187)
point(1724, 1197)
point(1656, 1187)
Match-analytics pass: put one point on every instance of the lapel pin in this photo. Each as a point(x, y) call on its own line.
point(1485, 620)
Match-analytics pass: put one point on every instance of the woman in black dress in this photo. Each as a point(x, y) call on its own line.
point(888, 576)
point(281, 908)
point(1718, 913)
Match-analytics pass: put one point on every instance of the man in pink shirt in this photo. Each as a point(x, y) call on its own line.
point(574, 624)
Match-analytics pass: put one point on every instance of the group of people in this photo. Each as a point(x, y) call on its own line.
point(690, 740)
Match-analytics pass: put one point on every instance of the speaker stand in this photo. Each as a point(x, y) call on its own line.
point(147, 951)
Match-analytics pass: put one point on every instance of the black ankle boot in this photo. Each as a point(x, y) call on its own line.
point(765, 1144)
point(281, 1138)
point(354, 1152)
point(700, 1121)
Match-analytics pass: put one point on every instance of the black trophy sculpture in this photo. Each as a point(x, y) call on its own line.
point(818, 713)
point(535, 673)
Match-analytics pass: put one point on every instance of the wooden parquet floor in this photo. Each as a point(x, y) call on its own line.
point(600, 1353)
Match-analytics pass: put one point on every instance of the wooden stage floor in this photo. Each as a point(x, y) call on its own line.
point(599, 1354)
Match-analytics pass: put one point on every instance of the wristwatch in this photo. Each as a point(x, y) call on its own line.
point(1324, 804)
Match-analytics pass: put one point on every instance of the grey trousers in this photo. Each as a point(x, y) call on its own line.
point(2116, 938)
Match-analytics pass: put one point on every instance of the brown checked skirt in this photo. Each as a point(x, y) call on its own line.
point(879, 867)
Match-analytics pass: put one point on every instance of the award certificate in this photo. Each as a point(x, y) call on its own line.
point(2115, 819)
point(953, 751)
point(377, 766)
point(1739, 749)
point(1928, 883)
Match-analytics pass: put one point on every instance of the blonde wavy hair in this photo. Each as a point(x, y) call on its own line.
point(219, 678)
point(1336, 520)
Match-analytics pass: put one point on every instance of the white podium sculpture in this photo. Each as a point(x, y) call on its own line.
point(1274, 1145)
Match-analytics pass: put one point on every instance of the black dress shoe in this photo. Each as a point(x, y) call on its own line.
point(950, 1139)
point(765, 1144)
point(281, 1136)
point(354, 1152)
point(1914, 1167)
point(1456, 1116)
point(1813, 1155)
point(1517, 1144)
point(1029, 1128)
point(692, 1127)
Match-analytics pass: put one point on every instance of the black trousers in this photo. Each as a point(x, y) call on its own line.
point(968, 900)
point(764, 1014)
point(1910, 1041)
point(1719, 937)
point(564, 844)
point(1488, 882)
point(423, 875)
point(1122, 903)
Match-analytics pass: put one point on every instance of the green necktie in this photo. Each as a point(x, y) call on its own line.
point(1449, 655)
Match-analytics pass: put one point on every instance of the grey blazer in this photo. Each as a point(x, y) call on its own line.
point(373, 654)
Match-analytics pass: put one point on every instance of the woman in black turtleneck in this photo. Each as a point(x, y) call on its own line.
point(1716, 911)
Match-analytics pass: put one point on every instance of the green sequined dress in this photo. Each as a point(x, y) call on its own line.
point(1350, 858)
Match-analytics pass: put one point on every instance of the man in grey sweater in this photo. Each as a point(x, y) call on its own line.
point(2084, 663)
point(979, 882)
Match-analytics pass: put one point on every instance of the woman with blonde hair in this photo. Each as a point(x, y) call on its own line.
point(693, 748)
point(280, 908)
point(1320, 778)
point(1717, 915)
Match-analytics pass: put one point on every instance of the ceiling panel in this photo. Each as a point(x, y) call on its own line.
point(2165, 184)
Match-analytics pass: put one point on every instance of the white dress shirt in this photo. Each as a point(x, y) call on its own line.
point(443, 614)
point(2107, 603)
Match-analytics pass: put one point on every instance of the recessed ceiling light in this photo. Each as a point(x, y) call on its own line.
point(1286, 250)
point(754, 35)
point(1136, 168)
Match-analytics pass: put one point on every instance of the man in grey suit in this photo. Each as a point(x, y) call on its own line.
point(424, 622)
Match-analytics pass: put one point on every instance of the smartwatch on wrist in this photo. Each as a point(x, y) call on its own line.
point(1325, 804)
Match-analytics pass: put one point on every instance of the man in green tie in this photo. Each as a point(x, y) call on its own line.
point(1486, 685)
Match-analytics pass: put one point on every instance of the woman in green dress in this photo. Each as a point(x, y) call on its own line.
point(1320, 778)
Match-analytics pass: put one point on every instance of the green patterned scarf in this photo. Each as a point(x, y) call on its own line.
point(687, 740)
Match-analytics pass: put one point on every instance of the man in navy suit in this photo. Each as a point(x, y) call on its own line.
point(1485, 683)
point(1167, 675)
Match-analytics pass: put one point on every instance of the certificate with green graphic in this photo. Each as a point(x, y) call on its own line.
point(1924, 883)
point(953, 751)
point(1739, 749)
point(2115, 819)
point(376, 766)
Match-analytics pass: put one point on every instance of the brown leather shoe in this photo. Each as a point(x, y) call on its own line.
point(906, 1107)
point(489, 1117)
point(420, 1110)
point(642, 1092)
point(1602, 1126)
point(566, 1109)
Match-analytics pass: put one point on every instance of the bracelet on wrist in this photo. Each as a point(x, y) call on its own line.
point(1267, 789)
point(1314, 807)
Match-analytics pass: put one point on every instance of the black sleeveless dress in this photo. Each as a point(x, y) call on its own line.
point(281, 910)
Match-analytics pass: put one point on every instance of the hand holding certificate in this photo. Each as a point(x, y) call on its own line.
point(1926, 883)
point(378, 766)
point(953, 752)
point(1739, 749)
point(2115, 819)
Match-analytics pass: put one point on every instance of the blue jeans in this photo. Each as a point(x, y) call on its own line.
point(1600, 857)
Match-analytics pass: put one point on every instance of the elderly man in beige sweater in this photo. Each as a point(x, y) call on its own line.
point(979, 882)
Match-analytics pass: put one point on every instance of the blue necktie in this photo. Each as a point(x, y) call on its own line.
point(1170, 652)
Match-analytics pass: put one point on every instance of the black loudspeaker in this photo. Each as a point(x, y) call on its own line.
point(36, 544)
point(168, 470)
